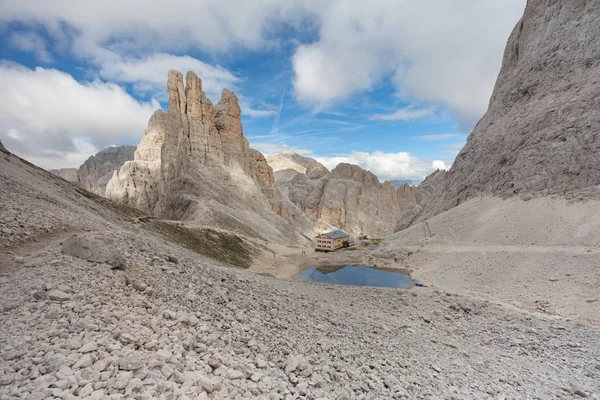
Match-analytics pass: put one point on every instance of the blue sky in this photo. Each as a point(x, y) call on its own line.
point(394, 86)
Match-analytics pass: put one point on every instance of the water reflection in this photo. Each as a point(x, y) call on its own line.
point(358, 276)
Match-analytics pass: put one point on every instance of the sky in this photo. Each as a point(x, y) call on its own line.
point(394, 86)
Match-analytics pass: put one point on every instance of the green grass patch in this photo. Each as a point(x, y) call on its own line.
point(220, 246)
point(224, 247)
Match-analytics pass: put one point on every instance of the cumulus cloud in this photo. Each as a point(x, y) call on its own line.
point(388, 166)
point(405, 114)
point(127, 26)
point(442, 52)
point(55, 121)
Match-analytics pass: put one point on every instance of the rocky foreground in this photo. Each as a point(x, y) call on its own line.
point(173, 325)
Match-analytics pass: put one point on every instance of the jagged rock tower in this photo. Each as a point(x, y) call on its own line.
point(195, 163)
point(541, 133)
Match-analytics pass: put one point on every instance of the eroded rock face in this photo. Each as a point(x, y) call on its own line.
point(93, 175)
point(99, 250)
point(541, 133)
point(348, 197)
point(195, 163)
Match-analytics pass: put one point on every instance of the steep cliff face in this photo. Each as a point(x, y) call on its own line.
point(93, 175)
point(541, 133)
point(348, 197)
point(194, 163)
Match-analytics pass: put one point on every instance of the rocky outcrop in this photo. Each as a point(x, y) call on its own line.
point(348, 197)
point(541, 133)
point(194, 163)
point(2, 146)
point(68, 174)
point(96, 171)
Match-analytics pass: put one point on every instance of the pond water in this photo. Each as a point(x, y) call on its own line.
point(358, 276)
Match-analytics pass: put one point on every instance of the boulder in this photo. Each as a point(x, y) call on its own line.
point(98, 249)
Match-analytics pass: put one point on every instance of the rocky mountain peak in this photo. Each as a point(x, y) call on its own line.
point(196, 154)
point(349, 197)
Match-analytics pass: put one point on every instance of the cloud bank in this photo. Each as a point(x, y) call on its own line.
point(54, 121)
point(388, 166)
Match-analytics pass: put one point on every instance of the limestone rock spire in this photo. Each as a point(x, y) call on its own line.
point(229, 125)
point(193, 92)
point(177, 99)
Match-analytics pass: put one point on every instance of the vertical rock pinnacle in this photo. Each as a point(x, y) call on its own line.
point(193, 92)
point(177, 100)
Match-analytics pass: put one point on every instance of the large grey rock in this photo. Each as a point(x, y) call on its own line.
point(541, 133)
point(98, 249)
point(58, 295)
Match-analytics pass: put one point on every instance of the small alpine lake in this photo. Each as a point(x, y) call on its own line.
point(358, 276)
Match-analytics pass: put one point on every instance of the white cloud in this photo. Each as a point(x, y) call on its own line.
point(405, 114)
point(439, 164)
point(441, 52)
point(441, 136)
point(31, 42)
point(388, 166)
point(213, 25)
point(149, 74)
point(54, 121)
